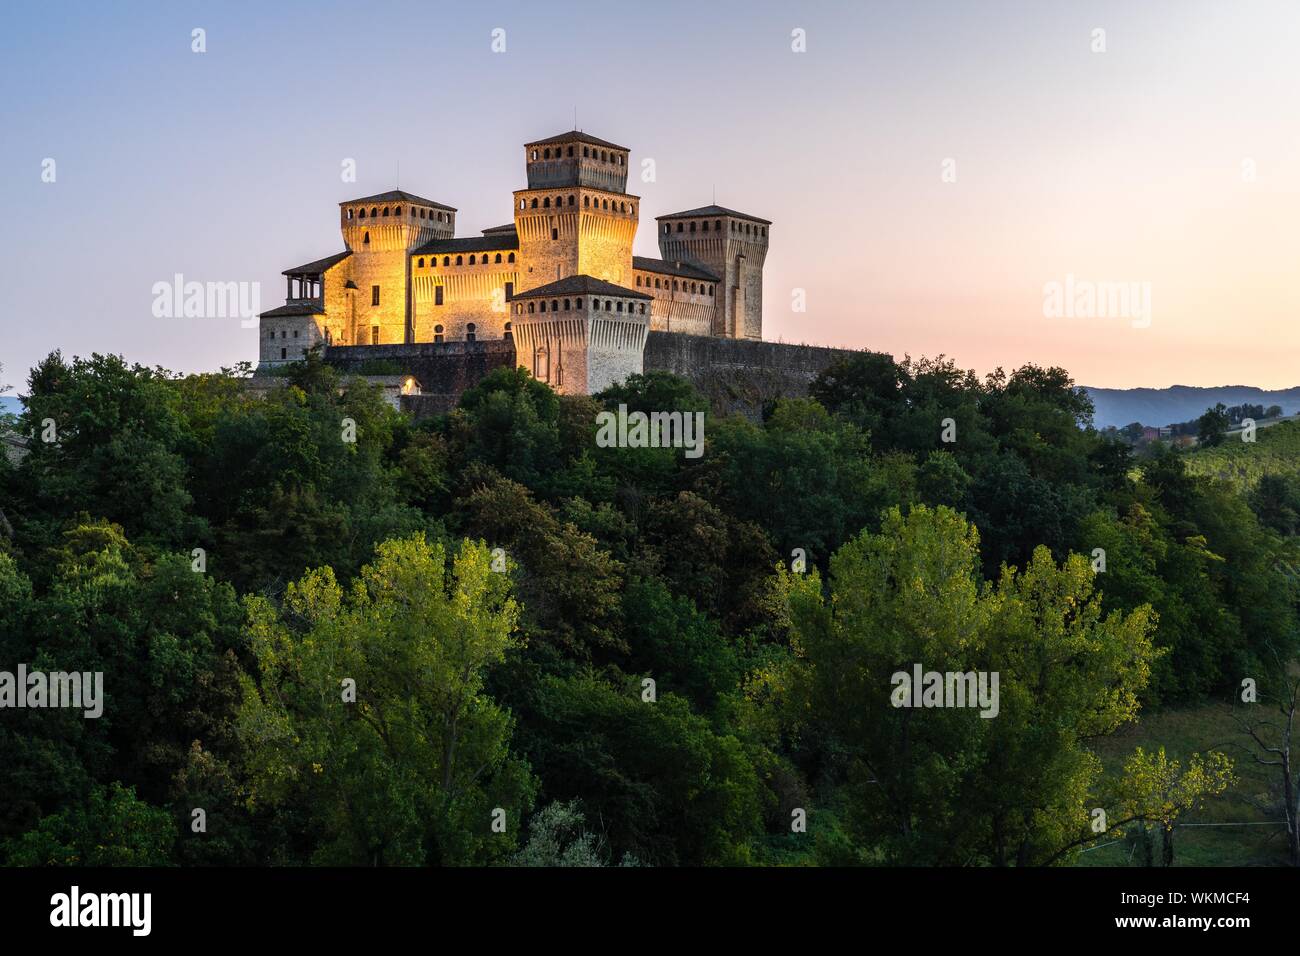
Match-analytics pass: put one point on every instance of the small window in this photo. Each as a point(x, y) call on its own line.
point(437, 295)
point(374, 295)
point(437, 333)
point(374, 335)
point(460, 260)
point(679, 227)
point(555, 234)
point(365, 240)
point(511, 257)
point(509, 334)
point(385, 210)
point(284, 353)
point(362, 215)
point(510, 290)
point(446, 260)
point(469, 333)
point(498, 259)
point(420, 264)
point(471, 259)
point(577, 304)
point(567, 305)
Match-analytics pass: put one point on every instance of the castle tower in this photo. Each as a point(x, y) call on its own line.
point(728, 244)
point(575, 217)
point(380, 231)
point(580, 334)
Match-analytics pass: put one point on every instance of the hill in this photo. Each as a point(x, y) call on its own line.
point(1275, 451)
point(1180, 403)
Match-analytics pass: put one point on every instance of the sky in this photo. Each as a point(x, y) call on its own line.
point(943, 177)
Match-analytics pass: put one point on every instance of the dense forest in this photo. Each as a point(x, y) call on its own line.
point(331, 634)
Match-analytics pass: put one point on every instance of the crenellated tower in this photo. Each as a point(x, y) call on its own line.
point(732, 246)
point(576, 216)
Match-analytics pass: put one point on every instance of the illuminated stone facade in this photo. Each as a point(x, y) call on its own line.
point(404, 278)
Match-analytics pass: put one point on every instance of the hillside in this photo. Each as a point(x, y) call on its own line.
point(1275, 451)
point(1180, 403)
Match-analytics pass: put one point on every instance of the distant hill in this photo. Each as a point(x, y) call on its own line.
point(1180, 403)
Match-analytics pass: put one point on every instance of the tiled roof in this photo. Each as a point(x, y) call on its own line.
point(295, 308)
point(397, 195)
point(317, 267)
point(469, 244)
point(713, 211)
point(581, 285)
point(576, 137)
point(673, 269)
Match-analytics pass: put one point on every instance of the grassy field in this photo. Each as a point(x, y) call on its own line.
point(1200, 729)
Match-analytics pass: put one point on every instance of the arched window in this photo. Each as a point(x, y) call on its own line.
point(674, 285)
point(667, 228)
point(618, 306)
point(509, 332)
point(555, 305)
point(542, 307)
point(607, 305)
point(692, 225)
point(679, 227)
point(531, 307)
point(534, 157)
point(460, 260)
point(420, 264)
point(374, 211)
point(510, 258)
point(446, 260)
point(349, 213)
point(638, 282)
point(586, 151)
point(362, 215)
point(419, 212)
point(437, 333)
point(523, 204)
point(546, 154)
point(657, 285)
point(642, 309)
point(546, 203)
point(577, 304)
point(366, 239)
point(704, 226)
point(534, 202)
point(604, 204)
point(717, 225)
point(385, 210)
point(397, 211)
point(570, 150)
point(570, 200)
point(498, 257)
point(566, 305)
point(586, 202)
point(469, 333)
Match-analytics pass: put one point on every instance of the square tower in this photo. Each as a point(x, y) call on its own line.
point(728, 244)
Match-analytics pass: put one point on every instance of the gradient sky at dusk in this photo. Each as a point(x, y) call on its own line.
point(1125, 166)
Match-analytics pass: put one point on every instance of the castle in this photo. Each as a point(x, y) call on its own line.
point(560, 284)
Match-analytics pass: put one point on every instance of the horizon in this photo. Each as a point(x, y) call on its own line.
point(1158, 163)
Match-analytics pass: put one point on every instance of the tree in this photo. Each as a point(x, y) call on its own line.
point(112, 828)
point(945, 784)
point(1271, 741)
point(368, 709)
point(1211, 426)
point(1159, 791)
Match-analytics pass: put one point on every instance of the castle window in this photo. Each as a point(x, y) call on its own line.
point(674, 285)
point(534, 203)
point(542, 307)
point(284, 334)
point(604, 156)
point(498, 259)
point(374, 295)
point(469, 333)
point(349, 213)
point(385, 210)
point(521, 204)
point(366, 239)
point(586, 151)
point(437, 333)
point(570, 150)
point(717, 225)
point(607, 309)
point(692, 227)
point(577, 304)
point(460, 260)
point(667, 228)
point(618, 306)
point(586, 202)
point(546, 203)
point(510, 258)
point(642, 309)
point(555, 305)
point(295, 333)
point(284, 353)
point(638, 282)
point(555, 234)
point(531, 307)
point(657, 285)
point(374, 212)
point(679, 227)
point(704, 227)
point(710, 290)
point(362, 214)
point(765, 232)
point(446, 260)
point(374, 335)
point(420, 264)
point(397, 211)
point(471, 260)
point(570, 200)
point(420, 213)
point(566, 305)
point(509, 334)
point(534, 157)
point(437, 295)
point(510, 291)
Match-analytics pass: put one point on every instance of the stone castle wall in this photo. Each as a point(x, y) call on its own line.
point(737, 375)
